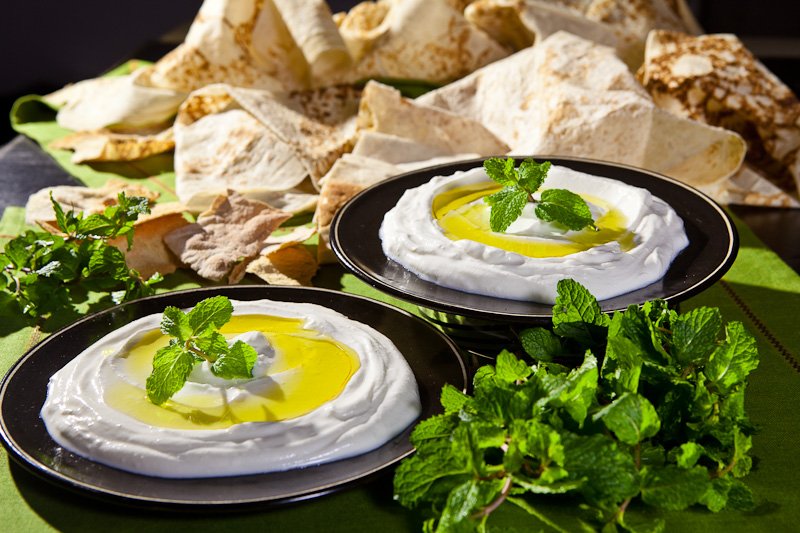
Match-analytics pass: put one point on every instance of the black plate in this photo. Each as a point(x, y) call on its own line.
point(432, 357)
point(713, 243)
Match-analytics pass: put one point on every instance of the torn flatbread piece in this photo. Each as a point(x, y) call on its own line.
point(39, 208)
point(226, 237)
point(285, 265)
point(96, 146)
point(384, 110)
point(519, 25)
point(349, 175)
point(268, 147)
point(311, 25)
point(414, 40)
point(620, 24)
point(125, 104)
point(149, 254)
point(716, 80)
point(572, 97)
point(244, 42)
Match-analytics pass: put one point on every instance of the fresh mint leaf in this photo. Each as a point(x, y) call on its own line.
point(574, 393)
point(171, 366)
point(435, 427)
point(716, 495)
point(577, 315)
point(465, 500)
point(631, 418)
point(452, 399)
point(507, 205)
point(61, 217)
point(107, 264)
point(211, 312)
point(237, 363)
point(622, 364)
point(742, 462)
point(731, 362)
point(687, 454)
point(540, 343)
point(609, 471)
point(510, 369)
point(175, 324)
point(740, 497)
point(211, 343)
point(501, 171)
point(564, 207)
point(95, 227)
point(532, 174)
point(673, 488)
point(694, 335)
point(417, 477)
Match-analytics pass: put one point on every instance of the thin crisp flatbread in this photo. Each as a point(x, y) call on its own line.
point(426, 40)
point(716, 80)
point(226, 237)
point(98, 146)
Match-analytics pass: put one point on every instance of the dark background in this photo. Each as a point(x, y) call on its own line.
point(46, 44)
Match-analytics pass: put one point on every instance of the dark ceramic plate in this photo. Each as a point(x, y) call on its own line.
point(713, 243)
point(432, 357)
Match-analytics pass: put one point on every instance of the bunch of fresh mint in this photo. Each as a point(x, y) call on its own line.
point(196, 339)
point(519, 185)
point(654, 412)
point(41, 270)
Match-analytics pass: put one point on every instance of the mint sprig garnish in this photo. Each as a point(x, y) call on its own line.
point(196, 338)
point(643, 406)
point(519, 185)
point(44, 272)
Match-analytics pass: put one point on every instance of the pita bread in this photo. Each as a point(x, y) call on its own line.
point(39, 209)
point(415, 40)
point(394, 149)
point(569, 96)
point(751, 187)
point(149, 254)
point(243, 43)
point(118, 103)
point(349, 175)
point(384, 110)
point(259, 144)
point(620, 24)
point(311, 25)
point(226, 237)
point(716, 80)
point(522, 24)
point(285, 265)
point(98, 146)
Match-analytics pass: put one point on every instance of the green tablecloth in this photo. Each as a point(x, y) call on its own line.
point(760, 290)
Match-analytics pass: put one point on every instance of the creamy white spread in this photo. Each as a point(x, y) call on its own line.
point(379, 401)
point(411, 236)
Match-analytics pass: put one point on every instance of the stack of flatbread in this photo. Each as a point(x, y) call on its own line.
point(278, 107)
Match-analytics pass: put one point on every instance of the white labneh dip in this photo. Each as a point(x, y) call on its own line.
point(650, 233)
point(377, 401)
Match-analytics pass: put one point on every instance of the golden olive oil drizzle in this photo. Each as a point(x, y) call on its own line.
point(460, 218)
point(310, 370)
